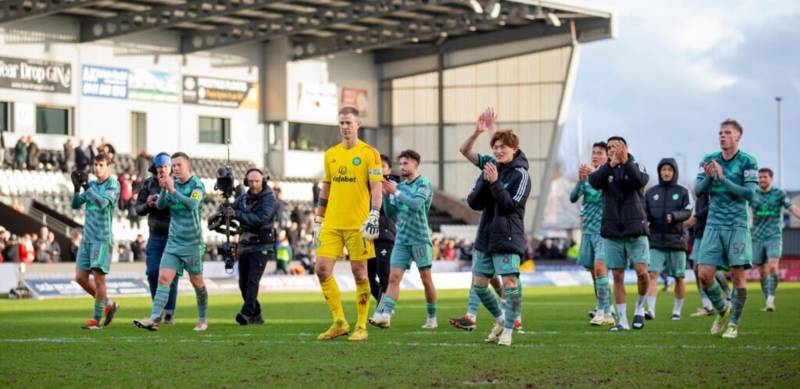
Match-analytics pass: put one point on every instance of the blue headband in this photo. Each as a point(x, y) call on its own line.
point(162, 159)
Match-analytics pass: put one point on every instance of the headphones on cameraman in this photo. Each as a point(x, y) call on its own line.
point(264, 177)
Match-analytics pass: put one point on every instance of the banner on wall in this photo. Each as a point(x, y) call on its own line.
point(103, 81)
point(354, 97)
point(218, 92)
point(35, 75)
point(316, 102)
point(154, 85)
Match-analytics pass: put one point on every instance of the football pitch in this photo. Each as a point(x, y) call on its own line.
point(42, 345)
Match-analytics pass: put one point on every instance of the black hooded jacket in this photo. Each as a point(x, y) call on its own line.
point(157, 219)
point(623, 198)
point(256, 213)
point(502, 226)
point(668, 198)
point(700, 215)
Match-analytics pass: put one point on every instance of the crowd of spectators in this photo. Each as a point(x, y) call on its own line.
point(25, 155)
point(29, 247)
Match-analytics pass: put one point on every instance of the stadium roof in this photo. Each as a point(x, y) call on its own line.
point(395, 29)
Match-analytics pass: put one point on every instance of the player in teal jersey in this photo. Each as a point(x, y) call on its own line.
point(410, 201)
point(94, 253)
point(183, 194)
point(731, 177)
point(767, 207)
point(487, 121)
point(592, 254)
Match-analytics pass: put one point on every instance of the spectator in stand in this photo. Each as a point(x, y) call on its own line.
point(2, 150)
point(93, 150)
point(133, 216)
point(41, 247)
point(74, 243)
point(465, 249)
point(68, 163)
point(315, 192)
point(43, 251)
point(3, 241)
point(11, 252)
point(449, 252)
point(138, 248)
point(436, 250)
point(26, 252)
point(125, 190)
point(82, 156)
point(53, 247)
point(142, 163)
point(21, 153)
point(33, 154)
point(283, 255)
point(283, 211)
point(108, 149)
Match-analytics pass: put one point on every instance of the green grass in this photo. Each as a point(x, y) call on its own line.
point(42, 345)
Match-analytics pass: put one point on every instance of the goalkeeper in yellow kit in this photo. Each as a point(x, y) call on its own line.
point(349, 202)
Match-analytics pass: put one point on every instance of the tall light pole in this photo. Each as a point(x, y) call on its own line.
point(778, 99)
point(683, 171)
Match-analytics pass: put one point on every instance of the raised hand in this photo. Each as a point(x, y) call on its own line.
point(490, 172)
point(389, 187)
point(490, 117)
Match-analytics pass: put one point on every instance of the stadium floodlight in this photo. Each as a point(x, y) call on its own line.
point(494, 9)
point(553, 19)
point(476, 6)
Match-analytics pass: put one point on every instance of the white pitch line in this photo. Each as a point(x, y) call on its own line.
point(204, 339)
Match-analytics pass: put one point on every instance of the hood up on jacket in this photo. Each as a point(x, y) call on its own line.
point(671, 162)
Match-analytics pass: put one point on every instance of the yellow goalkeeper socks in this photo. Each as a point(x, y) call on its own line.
point(362, 303)
point(330, 290)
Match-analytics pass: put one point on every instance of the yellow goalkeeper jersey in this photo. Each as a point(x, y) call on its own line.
point(349, 173)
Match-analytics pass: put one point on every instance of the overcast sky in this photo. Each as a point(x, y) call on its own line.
point(678, 68)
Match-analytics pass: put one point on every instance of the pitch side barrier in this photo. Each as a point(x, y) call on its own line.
point(59, 282)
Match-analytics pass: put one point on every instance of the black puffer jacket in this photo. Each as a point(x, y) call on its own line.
point(157, 219)
point(387, 228)
point(257, 213)
point(668, 198)
point(502, 225)
point(623, 198)
point(700, 215)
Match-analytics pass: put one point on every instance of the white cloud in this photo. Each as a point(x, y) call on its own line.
point(705, 76)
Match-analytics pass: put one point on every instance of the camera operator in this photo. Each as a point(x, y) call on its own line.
point(255, 211)
point(158, 221)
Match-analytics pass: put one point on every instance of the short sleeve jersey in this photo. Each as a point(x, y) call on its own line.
point(412, 226)
point(726, 209)
point(768, 213)
point(484, 159)
point(591, 208)
point(98, 221)
point(349, 173)
point(185, 229)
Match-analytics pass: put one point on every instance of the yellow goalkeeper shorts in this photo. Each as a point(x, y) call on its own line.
point(333, 241)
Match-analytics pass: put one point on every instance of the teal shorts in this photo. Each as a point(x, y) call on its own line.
point(591, 250)
point(93, 256)
point(403, 254)
point(487, 265)
point(622, 251)
point(765, 249)
point(670, 262)
point(191, 263)
point(724, 248)
point(696, 247)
